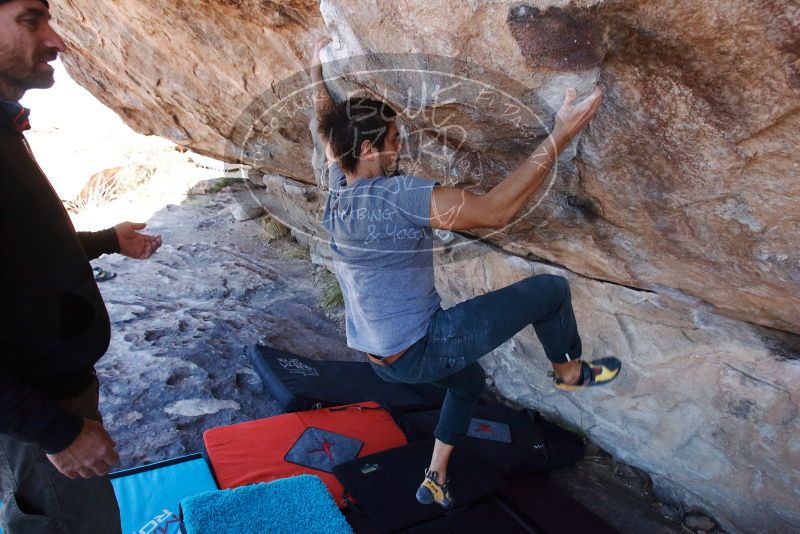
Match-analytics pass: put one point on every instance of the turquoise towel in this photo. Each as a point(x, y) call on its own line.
point(300, 504)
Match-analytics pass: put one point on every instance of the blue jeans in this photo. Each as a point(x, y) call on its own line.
point(457, 337)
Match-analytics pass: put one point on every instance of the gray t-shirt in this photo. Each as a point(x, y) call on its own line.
point(382, 249)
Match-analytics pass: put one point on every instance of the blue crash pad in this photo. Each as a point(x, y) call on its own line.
point(149, 496)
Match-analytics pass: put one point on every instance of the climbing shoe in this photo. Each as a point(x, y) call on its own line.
point(430, 491)
point(594, 373)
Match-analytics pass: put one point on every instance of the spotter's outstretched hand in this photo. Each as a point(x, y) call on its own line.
point(133, 244)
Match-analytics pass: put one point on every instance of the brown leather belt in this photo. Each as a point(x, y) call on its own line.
point(388, 360)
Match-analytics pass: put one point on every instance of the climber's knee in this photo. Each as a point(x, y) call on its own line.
point(554, 286)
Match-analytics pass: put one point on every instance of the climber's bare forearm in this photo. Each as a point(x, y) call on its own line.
point(507, 198)
point(513, 193)
point(459, 209)
point(322, 98)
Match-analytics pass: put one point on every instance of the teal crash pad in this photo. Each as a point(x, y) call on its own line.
point(294, 505)
point(149, 496)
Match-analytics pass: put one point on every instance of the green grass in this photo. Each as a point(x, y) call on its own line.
point(296, 251)
point(330, 293)
point(222, 184)
point(274, 229)
point(210, 187)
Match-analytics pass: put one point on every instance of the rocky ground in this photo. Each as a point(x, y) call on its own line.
point(183, 321)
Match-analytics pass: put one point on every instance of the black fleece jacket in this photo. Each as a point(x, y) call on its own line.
point(53, 323)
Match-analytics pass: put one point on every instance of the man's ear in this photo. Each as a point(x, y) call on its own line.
point(366, 151)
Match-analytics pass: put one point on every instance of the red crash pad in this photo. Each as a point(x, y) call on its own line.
point(298, 443)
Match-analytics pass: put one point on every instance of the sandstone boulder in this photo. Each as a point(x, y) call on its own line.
point(675, 214)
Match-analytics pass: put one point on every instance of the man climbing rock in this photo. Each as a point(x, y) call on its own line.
point(393, 311)
point(54, 452)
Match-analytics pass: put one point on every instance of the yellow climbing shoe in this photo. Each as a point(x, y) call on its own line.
point(430, 491)
point(594, 373)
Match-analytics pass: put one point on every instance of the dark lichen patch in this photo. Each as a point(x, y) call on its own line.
point(585, 206)
point(557, 38)
point(742, 408)
point(653, 61)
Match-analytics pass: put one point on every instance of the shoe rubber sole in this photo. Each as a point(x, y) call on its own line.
point(424, 495)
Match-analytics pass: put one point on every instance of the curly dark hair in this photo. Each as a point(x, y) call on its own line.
point(348, 124)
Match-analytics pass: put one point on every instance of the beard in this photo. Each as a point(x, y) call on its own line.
point(41, 78)
point(33, 73)
point(392, 169)
point(41, 74)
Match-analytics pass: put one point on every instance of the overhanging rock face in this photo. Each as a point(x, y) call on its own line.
point(686, 181)
point(186, 70)
point(684, 188)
